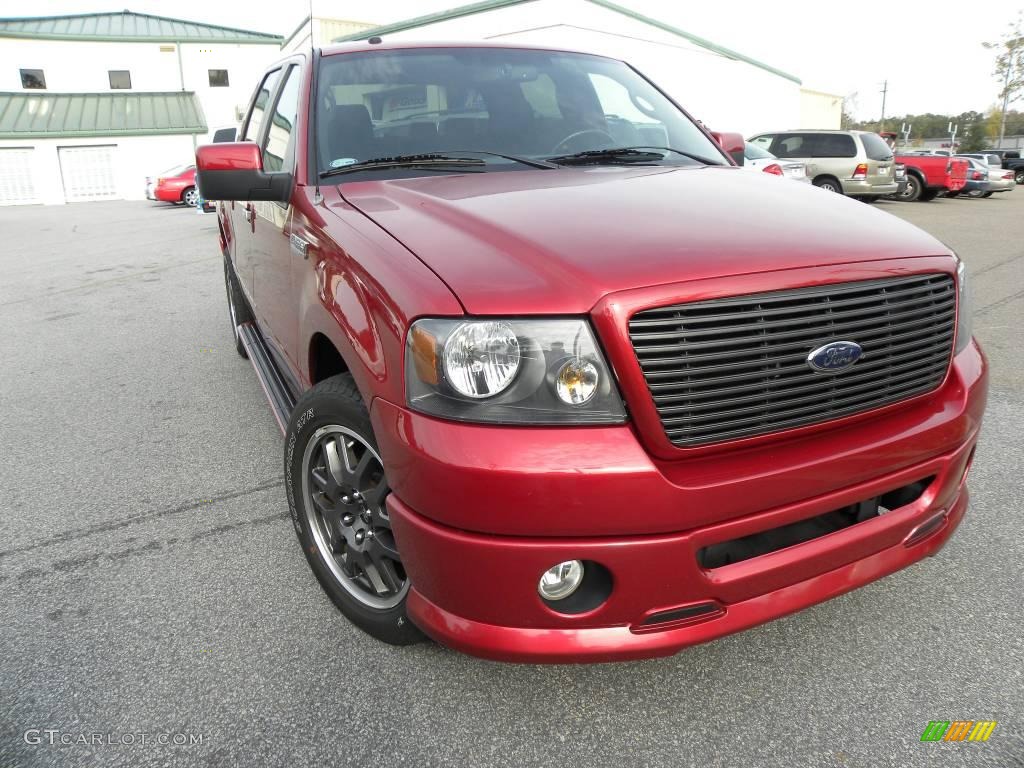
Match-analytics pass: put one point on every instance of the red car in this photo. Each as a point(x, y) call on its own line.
point(175, 185)
point(558, 381)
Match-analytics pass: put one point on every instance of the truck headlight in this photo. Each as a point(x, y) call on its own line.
point(963, 310)
point(510, 372)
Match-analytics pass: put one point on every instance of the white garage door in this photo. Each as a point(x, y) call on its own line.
point(16, 185)
point(88, 172)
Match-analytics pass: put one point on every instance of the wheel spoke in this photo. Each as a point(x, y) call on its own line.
point(381, 570)
point(364, 464)
point(335, 472)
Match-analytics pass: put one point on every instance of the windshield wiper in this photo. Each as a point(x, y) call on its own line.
point(625, 155)
point(513, 158)
point(431, 160)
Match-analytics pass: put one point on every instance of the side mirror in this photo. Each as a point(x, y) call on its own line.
point(732, 143)
point(234, 171)
point(222, 135)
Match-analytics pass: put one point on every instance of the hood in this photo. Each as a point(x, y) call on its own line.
point(556, 241)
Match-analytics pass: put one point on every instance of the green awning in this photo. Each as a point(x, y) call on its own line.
point(126, 26)
point(44, 115)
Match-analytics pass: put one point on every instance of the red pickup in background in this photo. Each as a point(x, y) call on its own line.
point(928, 176)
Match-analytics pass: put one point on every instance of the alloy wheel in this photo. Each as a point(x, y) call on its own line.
point(191, 197)
point(343, 491)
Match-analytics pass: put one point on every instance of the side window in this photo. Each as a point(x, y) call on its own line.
point(793, 145)
point(764, 142)
point(835, 145)
point(252, 127)
point(279, 149)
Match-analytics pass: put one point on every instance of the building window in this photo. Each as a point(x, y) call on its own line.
point(218, 78)
point(33, 78)
point(120, 79)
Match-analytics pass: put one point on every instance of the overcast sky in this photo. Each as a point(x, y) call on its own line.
point(932, 58)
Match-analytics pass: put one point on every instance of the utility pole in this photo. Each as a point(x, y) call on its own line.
point(952, 138)
point(884, 92)
point(1006, 103)
point(905, 130)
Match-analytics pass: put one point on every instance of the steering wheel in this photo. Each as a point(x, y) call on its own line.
point(560, 145)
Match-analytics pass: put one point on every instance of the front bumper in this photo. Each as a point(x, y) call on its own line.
point(479, 512)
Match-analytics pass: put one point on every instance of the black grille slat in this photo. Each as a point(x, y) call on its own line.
point(922, 329)
point(919, 316)
point(802, 386)
point(719, 370)
point(703, 389)
point(925, 303)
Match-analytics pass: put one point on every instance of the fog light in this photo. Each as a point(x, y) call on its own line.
point(560, 581)
point(576, 382)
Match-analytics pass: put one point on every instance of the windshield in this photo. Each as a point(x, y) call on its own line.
point(523, 103)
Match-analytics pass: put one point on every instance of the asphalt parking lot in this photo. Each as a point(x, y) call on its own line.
point(150, 581)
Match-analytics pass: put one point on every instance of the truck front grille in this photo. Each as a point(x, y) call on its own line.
point(730, 368)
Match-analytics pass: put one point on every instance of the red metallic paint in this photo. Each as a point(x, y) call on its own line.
point(620, 642)
point(229, 156)
point(479, 511)
point(550, 242)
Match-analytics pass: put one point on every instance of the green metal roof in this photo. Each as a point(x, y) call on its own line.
point(128, 27)
point(491, 5)
point(44, 115)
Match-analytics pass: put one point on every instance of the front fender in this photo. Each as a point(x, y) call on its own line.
point(362, 289)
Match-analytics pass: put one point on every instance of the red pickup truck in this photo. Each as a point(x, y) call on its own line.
point(560, 382)
point(929, 176)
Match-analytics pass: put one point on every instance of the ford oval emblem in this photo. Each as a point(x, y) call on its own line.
point(835, 356)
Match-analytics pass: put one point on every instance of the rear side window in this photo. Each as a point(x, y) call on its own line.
point(252, 128)
point(875, 147)
point(837, 145)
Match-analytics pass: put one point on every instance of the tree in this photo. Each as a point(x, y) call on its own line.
point(1009, 69)
point(847, 121)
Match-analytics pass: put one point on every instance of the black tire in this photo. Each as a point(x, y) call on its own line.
point(320, 501)
point(987, 194)
point(238, 309)
point(953, 194)
point(928, 195)
point(189, 196)
point(829, 184)
point(1019, 176)
point(913, 189)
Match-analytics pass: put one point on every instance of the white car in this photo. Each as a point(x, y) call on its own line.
point(757, 159)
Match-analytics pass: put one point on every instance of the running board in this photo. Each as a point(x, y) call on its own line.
point(280, 399)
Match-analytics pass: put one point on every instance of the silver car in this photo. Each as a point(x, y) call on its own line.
point(855, 163)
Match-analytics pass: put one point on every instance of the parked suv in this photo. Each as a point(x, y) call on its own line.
point(560, 382)
point(855, 163)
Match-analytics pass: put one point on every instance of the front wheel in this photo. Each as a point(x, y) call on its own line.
point(336, 489)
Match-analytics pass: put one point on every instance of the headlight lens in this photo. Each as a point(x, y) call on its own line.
point(481, 359)
point(510, 371)
point(963, 318)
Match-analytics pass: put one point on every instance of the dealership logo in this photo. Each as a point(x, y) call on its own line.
point(835, 356)
point(958, 730)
